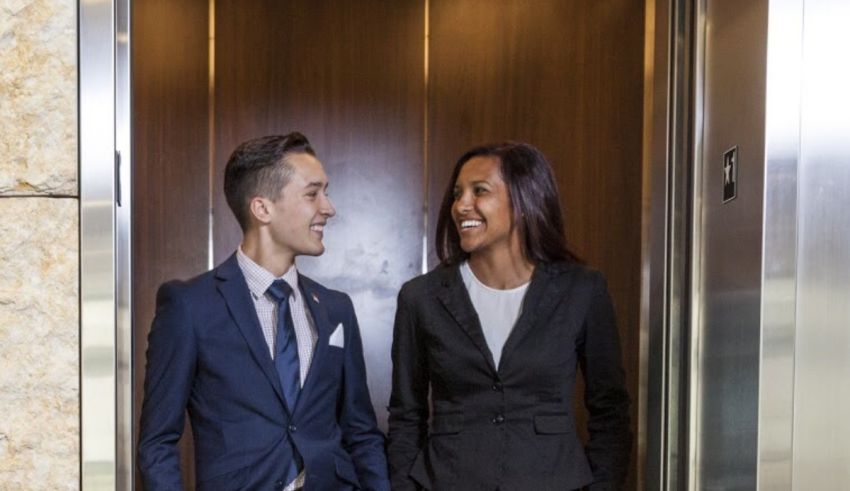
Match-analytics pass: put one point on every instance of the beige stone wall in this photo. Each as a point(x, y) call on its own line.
point(39, 246)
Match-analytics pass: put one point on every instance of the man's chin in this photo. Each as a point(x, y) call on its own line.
point(314, 251)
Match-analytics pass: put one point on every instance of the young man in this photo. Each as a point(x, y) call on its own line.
point(268, 363)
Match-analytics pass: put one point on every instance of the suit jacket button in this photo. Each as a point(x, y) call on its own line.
point(497, 386)
point(498, 419)
point(292, 428)
point(278, 485)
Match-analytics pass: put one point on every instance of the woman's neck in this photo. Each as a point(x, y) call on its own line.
point(501, 270)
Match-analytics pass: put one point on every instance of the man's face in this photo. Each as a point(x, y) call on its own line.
point(299, 214)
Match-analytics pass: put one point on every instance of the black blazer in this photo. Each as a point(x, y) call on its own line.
point(510, 427)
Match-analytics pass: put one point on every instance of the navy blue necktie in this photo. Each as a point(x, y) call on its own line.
point(286, 362)
point(286, 345)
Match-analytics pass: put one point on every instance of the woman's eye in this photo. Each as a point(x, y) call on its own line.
point(480, 190)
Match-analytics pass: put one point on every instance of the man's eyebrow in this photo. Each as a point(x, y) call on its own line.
point(316, 184)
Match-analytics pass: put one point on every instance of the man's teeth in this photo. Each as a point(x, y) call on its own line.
point(317, 228)
point(470, 223)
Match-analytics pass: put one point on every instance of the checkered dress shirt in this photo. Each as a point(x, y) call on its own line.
point(259, 280)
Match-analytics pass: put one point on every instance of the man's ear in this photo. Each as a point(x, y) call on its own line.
point(260, 209)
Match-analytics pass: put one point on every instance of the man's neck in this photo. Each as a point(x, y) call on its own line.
point(274, 261)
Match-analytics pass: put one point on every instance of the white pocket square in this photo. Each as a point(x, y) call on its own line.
point(338, 337)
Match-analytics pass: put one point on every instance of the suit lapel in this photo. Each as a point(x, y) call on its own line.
point(454, 297)
point(543, 295)
point(234, 289)
point(323, 331)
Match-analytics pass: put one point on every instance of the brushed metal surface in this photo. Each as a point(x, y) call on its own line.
point(665, 291)
point(651, 443)
point(782, 143)
point(822, 352)
point(124, 445)
point(97, 253)
point(727, 281)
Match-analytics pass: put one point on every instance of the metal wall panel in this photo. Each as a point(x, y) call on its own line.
point(727, 255)
point(822, 352)
point(98, 403)
point(782, 142)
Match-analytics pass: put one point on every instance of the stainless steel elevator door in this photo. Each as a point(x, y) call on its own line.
point(727, 255)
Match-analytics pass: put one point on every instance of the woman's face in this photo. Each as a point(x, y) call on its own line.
point(482, 209)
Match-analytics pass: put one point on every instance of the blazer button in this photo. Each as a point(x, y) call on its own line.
point(497, 386)
point(292, 428)
point(278, 485)
point(498, 419)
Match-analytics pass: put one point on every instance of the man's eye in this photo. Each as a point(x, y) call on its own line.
point(312, 194)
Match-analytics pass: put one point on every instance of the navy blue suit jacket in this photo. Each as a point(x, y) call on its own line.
point(206, 353)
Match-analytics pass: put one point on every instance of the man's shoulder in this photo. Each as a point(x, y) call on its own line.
point(186, 288)
point(321, 293)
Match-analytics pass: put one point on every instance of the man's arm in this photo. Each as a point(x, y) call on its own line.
point(409, 398)
point(361, 436)
point(168, 381)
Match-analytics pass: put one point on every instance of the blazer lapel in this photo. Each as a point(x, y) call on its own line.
point(234, 289)
point(454, 297)
point(323, 331)
point(543, 295)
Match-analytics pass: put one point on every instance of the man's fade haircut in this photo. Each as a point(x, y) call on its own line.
point(259, 167)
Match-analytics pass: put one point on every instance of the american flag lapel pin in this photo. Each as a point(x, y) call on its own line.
point(315, 298)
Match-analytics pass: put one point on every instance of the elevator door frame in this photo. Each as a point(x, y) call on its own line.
point(106, 204)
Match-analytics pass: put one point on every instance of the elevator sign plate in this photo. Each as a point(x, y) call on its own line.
point(730, 174)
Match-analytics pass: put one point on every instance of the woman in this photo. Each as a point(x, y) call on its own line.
point(495, 333)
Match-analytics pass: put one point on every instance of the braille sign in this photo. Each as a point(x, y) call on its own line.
point(730, 174)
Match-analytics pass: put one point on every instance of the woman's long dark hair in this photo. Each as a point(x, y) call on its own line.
point(534, 200)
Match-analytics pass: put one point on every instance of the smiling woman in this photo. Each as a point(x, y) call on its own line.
point(495, 334)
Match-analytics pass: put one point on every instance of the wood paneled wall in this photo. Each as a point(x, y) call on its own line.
point(567, 77)
point(564, 75)
point(350, 76)
point(170, 162)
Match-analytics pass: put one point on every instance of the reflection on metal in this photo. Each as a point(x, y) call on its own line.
point(727, 253)
point(782, 142)
point(211, 134)
point(822, 342)
point(666, 249)
point(97, 260)
point(125, 446)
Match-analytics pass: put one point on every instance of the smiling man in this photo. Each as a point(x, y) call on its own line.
point(268, 363)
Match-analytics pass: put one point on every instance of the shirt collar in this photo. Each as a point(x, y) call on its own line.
point(259, 279)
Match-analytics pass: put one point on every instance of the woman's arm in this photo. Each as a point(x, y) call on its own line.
point(605, 395)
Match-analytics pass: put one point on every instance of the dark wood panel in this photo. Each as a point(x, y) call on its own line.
point(170, 161)
point(350, 76)
point(565, 76)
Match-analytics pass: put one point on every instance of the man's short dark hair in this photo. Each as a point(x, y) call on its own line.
point(258, 167)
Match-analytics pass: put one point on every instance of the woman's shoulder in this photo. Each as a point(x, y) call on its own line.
point(574, 272)
point(441, 275)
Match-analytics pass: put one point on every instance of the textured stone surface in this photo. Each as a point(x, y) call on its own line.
point(39, 343)
point(38, 97)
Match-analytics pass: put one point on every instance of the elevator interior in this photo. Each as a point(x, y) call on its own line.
point(390, 94)
point(719, 287)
